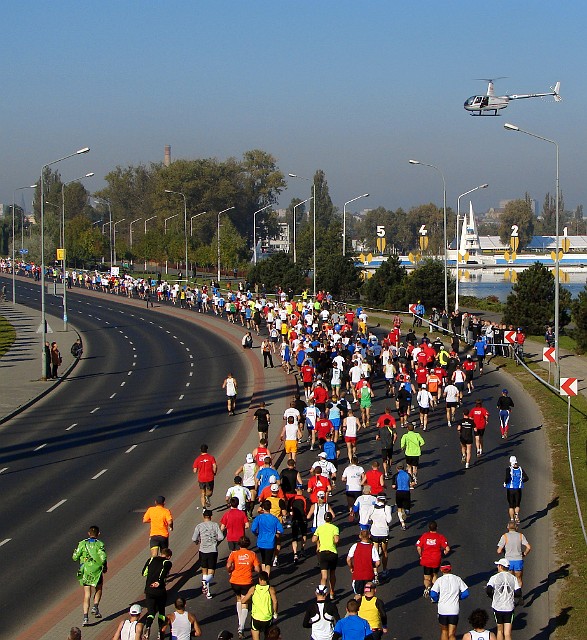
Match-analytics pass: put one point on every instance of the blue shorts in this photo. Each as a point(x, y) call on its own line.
point(516, 565)
point(364, 527)
point(335, 423)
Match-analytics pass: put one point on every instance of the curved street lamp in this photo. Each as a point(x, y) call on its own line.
point(365, 195)
point(255, 230)
point(218, 240)
point(295, 175)
point(185, 226)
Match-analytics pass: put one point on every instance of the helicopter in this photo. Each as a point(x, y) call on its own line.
point(484, 105)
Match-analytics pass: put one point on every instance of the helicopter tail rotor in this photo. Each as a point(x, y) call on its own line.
point(556, 92)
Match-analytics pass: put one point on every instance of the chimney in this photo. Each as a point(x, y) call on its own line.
point(167, 158)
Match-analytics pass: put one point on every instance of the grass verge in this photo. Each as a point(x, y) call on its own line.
point(7, 335)
point(570, 574)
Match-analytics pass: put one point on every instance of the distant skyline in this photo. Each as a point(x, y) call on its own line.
point(355, 89)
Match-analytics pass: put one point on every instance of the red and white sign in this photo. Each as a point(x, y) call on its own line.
point(548, 354)
point(569, 387)
point(412, 308)
point(510, 336)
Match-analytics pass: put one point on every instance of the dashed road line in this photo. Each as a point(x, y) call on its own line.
point(71, 426)
point(131, 448)
point(129, 373)
point(3, 469)
point(101, 473)
point(153, 428)
point(5, 541)
point(169, 411)
point(187, 384)
point(112, 396)
point(94, 410)
point(40, 446)
point(181, 397)
point(123, 383)
point(56, 506)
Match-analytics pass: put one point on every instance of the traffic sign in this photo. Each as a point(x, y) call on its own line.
point(23, 251)
point(548, 354)
point(569, 387)
point(60, 254)
point(510, 336)
point(553, 255)
point(412, 308)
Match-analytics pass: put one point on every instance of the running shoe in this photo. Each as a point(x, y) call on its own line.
point(296, 558)
point(208, 594)
point(463, 457)
point(241, 635)
point(275, 564)
point(467, 465)
point(426, 593)
point(86, 622)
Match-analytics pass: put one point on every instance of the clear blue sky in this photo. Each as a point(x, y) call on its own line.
point(355, 88)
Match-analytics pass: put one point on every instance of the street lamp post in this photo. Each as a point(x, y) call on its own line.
point(218, 240)
point(114, 225)
point(444, 227)
point(185, 226)
point(295, 257)
point(513, 127)
point(63, 258)
point(43, 311)
point(130, 230)
point(255, 230)
point(481, 186)
point(165, 231)
point(31, 186)
point(365, 195)
point(109, 205)
point(294, 175)
point(147, 220)
point(196, 215)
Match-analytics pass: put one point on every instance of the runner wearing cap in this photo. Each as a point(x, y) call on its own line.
point(515, 477)
point(248, 471)
point(318, 510)
point(447, 592)
point(328, 469)
point(372, 609)
point(504, 589)
point(130, 628)
point(380, 519)
point(326, 538)
point(505, 405)
point(321, 615)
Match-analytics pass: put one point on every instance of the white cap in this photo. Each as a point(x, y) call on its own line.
point(135, 610)
point(322, 454)
point(321, 494)
point(250, 457)
point(503, 562)
point(272, 479)
point(274, 487)
point(513, 460)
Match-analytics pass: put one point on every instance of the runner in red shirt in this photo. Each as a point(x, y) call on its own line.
point(431, 546)
point(317, 483)
point(469, 367)
point(205, 468)
point(480, 416)
point(374, 478)
point(421, 376)
point(321, 397)
point(261, 452)
point(307, 371)
point(323, 428)
point(234, 522)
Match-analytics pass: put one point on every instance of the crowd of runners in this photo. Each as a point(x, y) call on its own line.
point(291, 512)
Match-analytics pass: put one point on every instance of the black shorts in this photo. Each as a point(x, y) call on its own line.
point(413, 461)
point(514, 497)
point(429, 571)
point(233, 545)
point(208, 560)
point(403, 500)
point(261, 625)
point(299, 529)
point(480, 432)
point(451, 405)
point(359, 586)
point(424, 410)
point(240, 589)
point(386, 454)
point(353, 494)
point(380, 539)
point(209, 486)
point(503, 617)
point(465, 442)
point(267, 555)
point(158, 541)
point(328, 560)
point(446, 620)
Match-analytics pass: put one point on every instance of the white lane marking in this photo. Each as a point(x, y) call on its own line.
point(134, 355)
point(125, 336)
point(112, 396)
point(100, 319)
point(175, 337)
point(56, 506)
point(169, 411)
point(129, 373)
point(71, 426)
point(153, 429)
point(123, 383)
point(106, 321)
point(131, 342)
point(191, 356)
point(134, 364)
point(180, 342)
point(3, 469)
point(191, 373)
point(131, 448)
point(40, 446)
point(167, 331)
point(99, 474)
point(181, 397)
point(5, 541)
point(94, 410)
point(187, 348)
point(187, 384)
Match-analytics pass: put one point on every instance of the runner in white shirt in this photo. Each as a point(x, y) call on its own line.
point(448, 591)
point(240, 492)
point(425, 400)
point(353, 476)
point(451, 395)
point(380, 518)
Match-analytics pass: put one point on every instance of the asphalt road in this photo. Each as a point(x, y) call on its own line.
point(470, 506)
point(108, 440)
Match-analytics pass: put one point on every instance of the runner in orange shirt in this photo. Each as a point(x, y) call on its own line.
point(240, 566)
point(161, 524)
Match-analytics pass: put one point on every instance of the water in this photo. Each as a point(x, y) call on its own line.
point(486, 282)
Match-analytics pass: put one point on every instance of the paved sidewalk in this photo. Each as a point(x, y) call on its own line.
point(20, 367)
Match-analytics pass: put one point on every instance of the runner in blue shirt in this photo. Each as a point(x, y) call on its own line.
point(268, 529)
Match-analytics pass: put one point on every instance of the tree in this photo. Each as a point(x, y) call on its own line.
point(325, 210)
point(338, 275)
point(383, 283)
point(530, 304)
point(425, 283)
point(580, 319)
point(519, 213)
point(277, 270)
point(84, 242)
